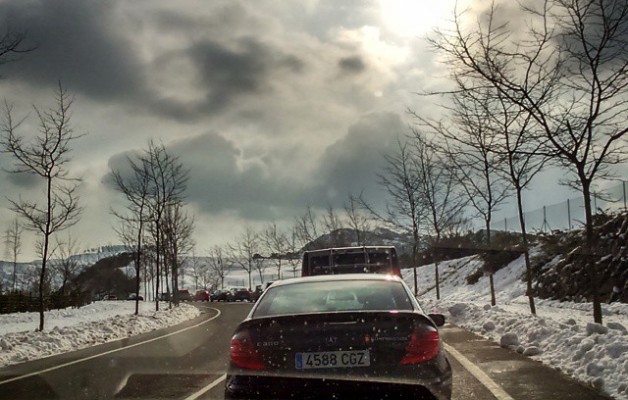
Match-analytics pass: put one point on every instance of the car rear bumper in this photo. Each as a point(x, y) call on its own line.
point(256, 387)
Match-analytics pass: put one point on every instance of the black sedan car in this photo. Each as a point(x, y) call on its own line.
point(338, 336)
point(241, 294)
point(220, 295)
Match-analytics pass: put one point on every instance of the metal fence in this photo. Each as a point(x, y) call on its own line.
point(569, 214)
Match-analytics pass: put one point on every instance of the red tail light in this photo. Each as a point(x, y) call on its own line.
point(423, 345)
point(244, 354)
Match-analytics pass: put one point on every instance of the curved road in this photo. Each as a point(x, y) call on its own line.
point(188, 362)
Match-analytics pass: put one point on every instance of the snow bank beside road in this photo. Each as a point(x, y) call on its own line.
point(592, 353)
point(561, 335)
point(73, 329)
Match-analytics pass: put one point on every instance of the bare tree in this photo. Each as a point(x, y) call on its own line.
point(46, 158)
point(260, 264)
point(439, 192)
point(135, 189)
point(308, 231)
point(168, 183)
point(568, 72)
point(358, 221)
point(217, 264)
point(196, 264)
point(178, 229)
point(11, 45)
point(67, 267)
point(242, 251)
point(277, 244)
point(404, 208)
point(519, 144)
point(13, 242)
point(468, 145)
point(295, 248)
point(332, 225)
point(209, 278)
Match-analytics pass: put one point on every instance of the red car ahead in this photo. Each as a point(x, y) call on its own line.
point(201, 295)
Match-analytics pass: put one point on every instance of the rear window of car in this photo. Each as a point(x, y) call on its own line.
point(329, 296)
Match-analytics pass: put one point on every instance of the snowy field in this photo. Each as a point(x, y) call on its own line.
point(76, 328)
point(561, 335)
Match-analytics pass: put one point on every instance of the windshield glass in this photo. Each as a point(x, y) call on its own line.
point(162, 161)
point(323, 296)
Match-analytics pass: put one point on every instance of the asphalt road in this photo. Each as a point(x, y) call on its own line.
point(189, 361)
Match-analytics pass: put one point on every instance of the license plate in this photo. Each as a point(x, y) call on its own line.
point(333, 359)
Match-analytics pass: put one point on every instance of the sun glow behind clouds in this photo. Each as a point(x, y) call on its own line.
point(415, 17)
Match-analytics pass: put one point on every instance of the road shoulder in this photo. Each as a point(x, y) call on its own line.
point(519, 376)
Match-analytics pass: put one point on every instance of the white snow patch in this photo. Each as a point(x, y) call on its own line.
point(561, 335)
point(76, 328)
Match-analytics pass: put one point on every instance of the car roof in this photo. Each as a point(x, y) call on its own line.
point(338, 277)
point(355, 249)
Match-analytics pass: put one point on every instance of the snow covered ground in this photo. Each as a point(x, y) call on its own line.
point(561, 335)
point(75, 328)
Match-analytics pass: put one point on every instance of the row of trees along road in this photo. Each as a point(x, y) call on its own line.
point(154, 222)
point(547, 88)
point(254, 251)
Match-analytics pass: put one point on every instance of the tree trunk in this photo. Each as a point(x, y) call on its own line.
point(415, 250)
point(490, 278)
point(488, 245)
point(589, 255)
point(437, 280)
point(14, 275)
point(42, 276)
point(157, 269)
point(168, 293)
point(526, 253)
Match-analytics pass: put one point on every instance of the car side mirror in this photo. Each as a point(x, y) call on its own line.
point(439, 319)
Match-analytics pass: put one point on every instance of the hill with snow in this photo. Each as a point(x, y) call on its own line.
point(561, 334)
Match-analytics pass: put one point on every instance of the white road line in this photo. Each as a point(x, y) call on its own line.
point(207, 388)
point(474, 370)
point(42, 371)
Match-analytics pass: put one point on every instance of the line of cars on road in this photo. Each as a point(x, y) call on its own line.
point(233, 294)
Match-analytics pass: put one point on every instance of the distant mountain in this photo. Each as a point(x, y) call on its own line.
point(26, 271)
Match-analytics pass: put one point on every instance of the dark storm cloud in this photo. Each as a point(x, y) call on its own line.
point(568, 34)
point(352, 64)
point(221, 182)
point(605, 23)
point(352, 164)
point(218, 184)
point(76, 45)
point(226, 72)
point(231, 72)
point(24, 180)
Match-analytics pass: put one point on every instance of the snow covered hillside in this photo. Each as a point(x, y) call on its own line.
point(76, 328)
point(561, 335)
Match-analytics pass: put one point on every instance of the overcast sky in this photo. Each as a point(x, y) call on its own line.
point(272, 105)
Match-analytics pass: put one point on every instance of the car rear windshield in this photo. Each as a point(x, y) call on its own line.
point(327, 296)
